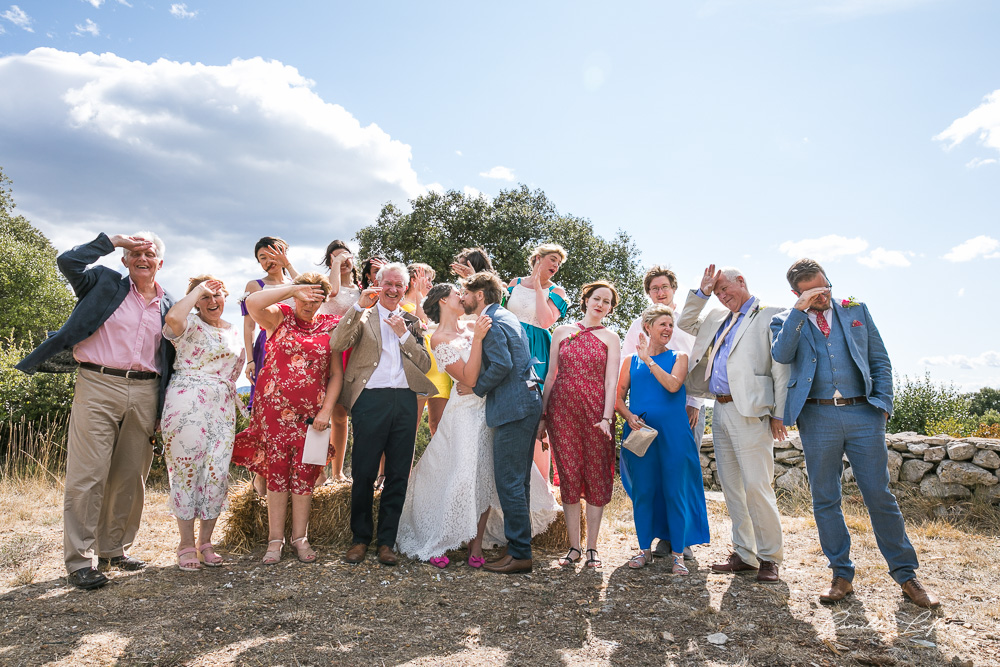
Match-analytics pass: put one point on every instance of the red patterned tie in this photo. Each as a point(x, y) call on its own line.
point(821, 322)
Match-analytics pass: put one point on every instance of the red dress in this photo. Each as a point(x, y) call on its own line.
point(290, 388)
point(584, 456)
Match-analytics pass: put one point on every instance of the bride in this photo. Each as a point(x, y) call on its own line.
point(451, 497)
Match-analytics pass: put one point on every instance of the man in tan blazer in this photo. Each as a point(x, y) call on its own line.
point(385, 373)
point(731, 363)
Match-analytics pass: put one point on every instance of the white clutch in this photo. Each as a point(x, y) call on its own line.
point(316, 446)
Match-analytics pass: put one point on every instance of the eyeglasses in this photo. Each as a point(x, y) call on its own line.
point(658, 290)
point(829, 286)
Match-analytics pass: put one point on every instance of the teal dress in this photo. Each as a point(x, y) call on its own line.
point(521, 302)
point(665, 485)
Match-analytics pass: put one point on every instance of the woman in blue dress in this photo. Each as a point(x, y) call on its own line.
point(665, 485)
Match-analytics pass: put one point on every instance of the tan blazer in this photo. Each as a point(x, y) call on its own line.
point(363, 332)
point(757, 382)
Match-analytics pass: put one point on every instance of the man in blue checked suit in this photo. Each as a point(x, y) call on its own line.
point(840, 394)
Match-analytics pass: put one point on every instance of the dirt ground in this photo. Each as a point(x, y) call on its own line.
point(246, 613)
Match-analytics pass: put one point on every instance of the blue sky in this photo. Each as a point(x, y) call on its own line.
point(864, 133)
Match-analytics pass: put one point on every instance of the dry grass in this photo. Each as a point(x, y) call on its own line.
point(34, 450)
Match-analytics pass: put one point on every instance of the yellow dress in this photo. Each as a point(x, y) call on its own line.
point(440, 378)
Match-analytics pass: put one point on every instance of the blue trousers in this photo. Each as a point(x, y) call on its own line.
point(513, 447)
point(828, 433)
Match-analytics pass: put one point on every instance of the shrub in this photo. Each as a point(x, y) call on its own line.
point(985, 400)
point(919, 402)
point(39, 398)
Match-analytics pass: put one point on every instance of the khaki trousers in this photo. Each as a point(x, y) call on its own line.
point(107, 460)
point(744, 453)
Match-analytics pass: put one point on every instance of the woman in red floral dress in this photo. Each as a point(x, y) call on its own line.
point(301, 379)
point(579, 415)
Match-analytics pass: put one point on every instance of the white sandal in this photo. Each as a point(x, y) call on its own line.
point(310, 555)
point(272, 556)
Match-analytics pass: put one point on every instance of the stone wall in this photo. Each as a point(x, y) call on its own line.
point(939, 466)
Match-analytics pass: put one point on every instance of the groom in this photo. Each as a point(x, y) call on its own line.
point(513, 408)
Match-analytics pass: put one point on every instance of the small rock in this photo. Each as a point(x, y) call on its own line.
point(963, 472)
point(898, 445)
point(718, 639)
point(847, 476)
point(783, 454)
point(939, 439)
point(932, 487)
point(916, 447)
point(934, 454)
point(984, 443)
point(986, 458)
point(667, 637)
point(913, 470)
point(791, 480)
point(895, 462)
point(961, 451)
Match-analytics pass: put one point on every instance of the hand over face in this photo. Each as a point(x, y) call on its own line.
point(462, 270)
point(308, 292)
point(369, 297)
point(810, 297)
point(131, 243)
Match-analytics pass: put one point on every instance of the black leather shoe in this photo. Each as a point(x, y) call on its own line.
point(87, 578)
point(125, 563)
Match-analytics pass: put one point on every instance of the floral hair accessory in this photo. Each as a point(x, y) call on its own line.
point(849, 302)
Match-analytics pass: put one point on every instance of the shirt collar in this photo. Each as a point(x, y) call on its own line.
point(745, 308)
point(385, 312)
point(134, 289)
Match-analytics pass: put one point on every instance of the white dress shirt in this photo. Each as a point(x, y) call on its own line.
point(389, 372)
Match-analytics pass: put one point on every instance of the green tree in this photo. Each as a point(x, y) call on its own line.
point(984, 400)
point(34, 294)
point(919, 403)
point(508, 228)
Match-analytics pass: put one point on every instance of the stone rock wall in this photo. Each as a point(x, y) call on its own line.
point(938, 466)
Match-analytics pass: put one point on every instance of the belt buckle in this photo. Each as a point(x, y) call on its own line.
point(839, 405)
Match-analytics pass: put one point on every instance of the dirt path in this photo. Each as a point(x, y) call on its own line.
point(333, 613)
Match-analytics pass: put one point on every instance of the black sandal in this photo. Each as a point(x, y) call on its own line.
point(592, 561)
point(566, 560)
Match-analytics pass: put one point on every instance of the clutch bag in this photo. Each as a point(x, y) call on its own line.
point(638, 441)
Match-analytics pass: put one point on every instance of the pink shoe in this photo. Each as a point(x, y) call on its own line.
point(439, 561)
point(476, 562)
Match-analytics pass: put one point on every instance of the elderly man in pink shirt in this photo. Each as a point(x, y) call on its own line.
point(115, 334)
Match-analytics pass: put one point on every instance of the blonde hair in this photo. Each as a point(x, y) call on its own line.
point(548, 249)
point(653, 313)
point(313, 278)
point(197, 280)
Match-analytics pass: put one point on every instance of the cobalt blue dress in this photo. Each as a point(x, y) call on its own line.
point(665, 485)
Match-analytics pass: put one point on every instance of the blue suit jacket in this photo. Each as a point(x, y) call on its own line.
point(796, 342)
point(506, 369)
point(99, 291)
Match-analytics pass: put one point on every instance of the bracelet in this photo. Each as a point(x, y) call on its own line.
point(652, 364)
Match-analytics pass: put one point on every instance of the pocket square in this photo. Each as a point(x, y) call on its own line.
point(856, 323)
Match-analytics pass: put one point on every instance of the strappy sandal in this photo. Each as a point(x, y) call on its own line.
point(566, 560)
point(305, 554)
point(272, 556)
point(592, 561)
point(639, 561)
point(379, 483)
point(187, 560)
point(679, 567)
point(208, 554)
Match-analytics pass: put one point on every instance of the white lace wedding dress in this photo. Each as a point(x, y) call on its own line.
point(453, 484)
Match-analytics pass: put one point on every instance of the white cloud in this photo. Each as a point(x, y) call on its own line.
point(990, 359)
point(825, 248)
point(458, 153)
point(961, 291)
point(89, 28)
point(498, 172)
point(96, 4)
point(436, 188)
point(983, 121)
point(17, 16)
point(973, 248)
point(180, 10)
point(209, 157)
point(880, 258)
point(979, 162)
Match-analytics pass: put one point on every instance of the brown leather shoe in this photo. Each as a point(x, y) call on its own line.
point(732, 565)
point(500, 557)
point(356, 553)
point(768, 572)
point(386, 556)
point(839, 589)
point(919, 595)
point(509, 565)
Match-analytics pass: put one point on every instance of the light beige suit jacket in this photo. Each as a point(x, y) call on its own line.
point(363, 332)
point(757, 382)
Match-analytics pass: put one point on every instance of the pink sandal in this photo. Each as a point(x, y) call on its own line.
point(273, 556)
point(208, 554)
point(439, 561)
point(187, 560)
point(476, 562)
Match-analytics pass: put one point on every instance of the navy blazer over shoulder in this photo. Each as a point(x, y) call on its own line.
point(507, 367)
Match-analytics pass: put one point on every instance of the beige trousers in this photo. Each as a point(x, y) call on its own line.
point(744, 453)
point(107, 459)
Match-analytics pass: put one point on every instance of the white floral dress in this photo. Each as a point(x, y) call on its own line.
point(199, 417)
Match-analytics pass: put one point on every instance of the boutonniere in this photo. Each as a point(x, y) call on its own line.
point(857, 323)
point(850, 302)
point(756, 309)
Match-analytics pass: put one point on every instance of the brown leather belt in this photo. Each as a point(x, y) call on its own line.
point(724, 398)
point(837, 401)
point(118, 372)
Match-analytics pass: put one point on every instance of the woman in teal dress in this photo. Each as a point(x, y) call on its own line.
point(539, 303)
point(665, 485)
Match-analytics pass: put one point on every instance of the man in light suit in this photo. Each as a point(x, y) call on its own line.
point(513, 408)
point(841, 394)
point(731, 363)
point(385, 373)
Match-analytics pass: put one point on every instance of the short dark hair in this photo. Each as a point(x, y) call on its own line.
point(803, 269)
point(486, 282)
point(476, 258)
point(432, 303)
point(269, 242)
point(588, 290)
point(655, 272)
point(337, 244)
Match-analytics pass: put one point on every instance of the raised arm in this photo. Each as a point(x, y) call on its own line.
point(74, 262)
point(263, 305)
point(176, 317)
point(249, 328)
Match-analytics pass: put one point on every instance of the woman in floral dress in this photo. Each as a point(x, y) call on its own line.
point(199, 415)
point(578, 412)
point(301, 380)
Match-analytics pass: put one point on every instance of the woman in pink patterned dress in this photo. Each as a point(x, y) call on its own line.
point(199, 416)
point(578, 412)
point(301, 380)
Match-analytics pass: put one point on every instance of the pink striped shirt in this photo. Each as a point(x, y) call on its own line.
point(130, 338)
